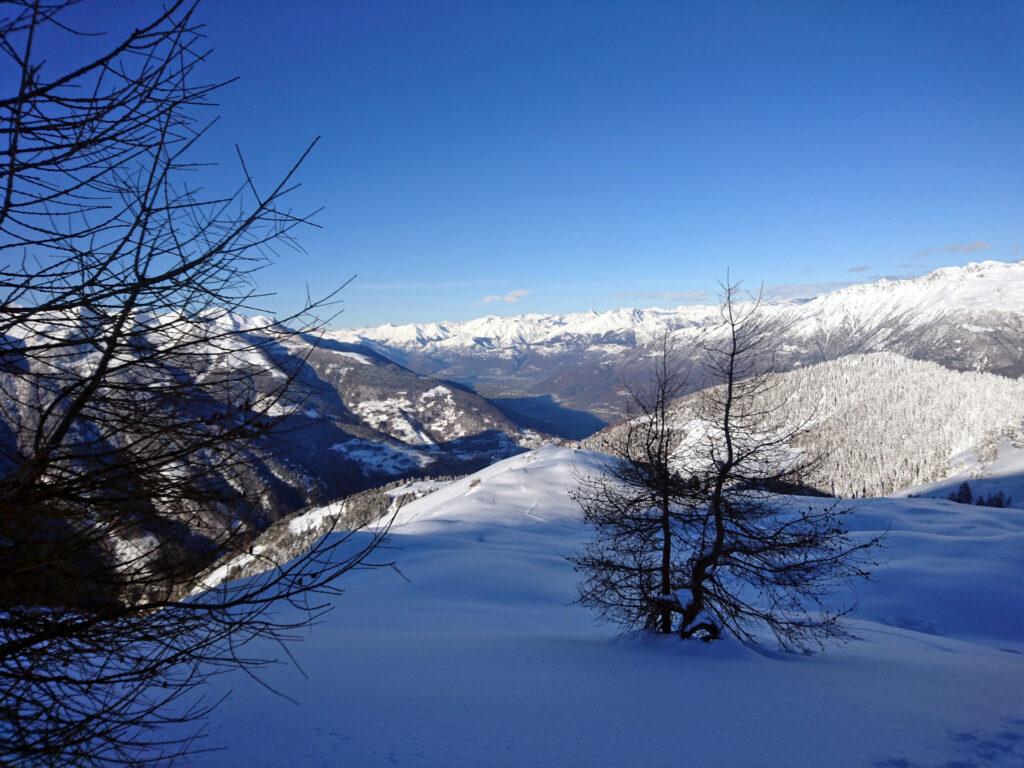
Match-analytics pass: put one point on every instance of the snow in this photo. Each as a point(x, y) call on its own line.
point(475, 655)
point(222, 573)
point(487, 334)
point(853, 403)
point(417, 488)
point(136, 552)
point(986, 474)
point(347, 337)
point(314, 518)
point(234, 321)
point(433, 413)
point(388, 458)
point(976, 287)
point(438, 391)
point(361, 359)
point(989, 285)
point(395, 416)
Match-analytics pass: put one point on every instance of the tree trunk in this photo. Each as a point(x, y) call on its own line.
point(666, 567)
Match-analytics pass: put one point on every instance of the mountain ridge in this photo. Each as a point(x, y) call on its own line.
point(963, 285)
point(964, 318)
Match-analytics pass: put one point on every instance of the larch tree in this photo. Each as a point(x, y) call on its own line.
point(634, 564)
point(696, 528)
point(130, 398)
point(761, 559)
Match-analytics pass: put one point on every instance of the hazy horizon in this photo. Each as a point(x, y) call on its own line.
point(771, 293)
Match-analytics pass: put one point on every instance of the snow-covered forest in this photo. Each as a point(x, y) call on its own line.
point(882, 422)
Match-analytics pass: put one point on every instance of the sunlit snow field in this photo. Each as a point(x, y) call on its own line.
point(475, 655)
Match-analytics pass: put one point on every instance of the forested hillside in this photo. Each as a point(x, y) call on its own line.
point(882, 422)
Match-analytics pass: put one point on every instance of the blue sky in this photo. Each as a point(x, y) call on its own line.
point(506, 157)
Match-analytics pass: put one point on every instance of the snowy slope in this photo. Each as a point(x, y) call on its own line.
point(881, 423)
point(475, 656)
point(994, 468)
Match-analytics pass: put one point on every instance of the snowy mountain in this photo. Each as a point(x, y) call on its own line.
point(965, 318)
point(883, 423)
point(478, 635)
point(355, 419)
point(366, 420)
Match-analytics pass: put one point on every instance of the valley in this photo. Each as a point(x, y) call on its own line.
point(898, 377)
point(483, 635)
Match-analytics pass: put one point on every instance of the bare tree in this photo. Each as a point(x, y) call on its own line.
point(760, 560)
point(740, 555)
point(132, 399)
point(634, 564)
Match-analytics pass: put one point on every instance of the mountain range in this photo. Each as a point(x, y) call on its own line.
point(351, 420)
point(434, 399)
point(564, 371)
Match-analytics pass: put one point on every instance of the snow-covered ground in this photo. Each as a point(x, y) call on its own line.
point(996, 469)
point(389, 458)
point(475, 655)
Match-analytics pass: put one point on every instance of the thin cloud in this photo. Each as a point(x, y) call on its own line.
point(860, 268)
point(419, 285)
point(963, 248)
point(509, 298)
point(795, 291)
point(681, 297)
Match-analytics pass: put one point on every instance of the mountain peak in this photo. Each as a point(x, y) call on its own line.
point(976, 287)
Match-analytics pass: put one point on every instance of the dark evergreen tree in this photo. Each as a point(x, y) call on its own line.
point(963, 494)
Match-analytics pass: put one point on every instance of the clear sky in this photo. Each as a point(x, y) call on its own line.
point(505, 157)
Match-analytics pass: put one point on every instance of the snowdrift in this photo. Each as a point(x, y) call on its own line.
point(474, 655)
